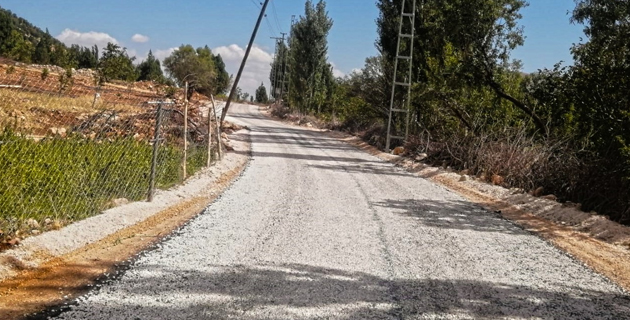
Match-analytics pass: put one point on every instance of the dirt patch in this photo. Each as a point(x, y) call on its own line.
point(59, 279)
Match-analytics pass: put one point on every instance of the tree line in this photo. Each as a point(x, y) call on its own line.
point(564, 129)
point(23, 42)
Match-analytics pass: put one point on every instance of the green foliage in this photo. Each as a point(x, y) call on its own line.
point(150, 69)
point(196, 67)
point(261, 94)
point(309, 70)
point(222, 83)
point(65, 81)
point(86, 58)
point(45, 74)
point(115, 64)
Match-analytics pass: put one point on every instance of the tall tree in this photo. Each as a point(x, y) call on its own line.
point(196, 67)
point(222, 82)
point(261, 94)
point(115, 64)
point(150, 69)
point(41, 55)
point(308, 51)
point(600, 77)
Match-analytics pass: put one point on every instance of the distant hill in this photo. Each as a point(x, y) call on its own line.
point(10, 21)
point(21, 41)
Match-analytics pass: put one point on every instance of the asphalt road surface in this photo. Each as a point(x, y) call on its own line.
point(316, 229)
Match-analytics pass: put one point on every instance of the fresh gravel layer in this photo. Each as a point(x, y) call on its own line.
point(315, 229)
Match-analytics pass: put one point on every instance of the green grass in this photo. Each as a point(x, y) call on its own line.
point(69, 179)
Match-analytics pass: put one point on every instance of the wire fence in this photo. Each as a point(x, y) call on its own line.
point(70, 148)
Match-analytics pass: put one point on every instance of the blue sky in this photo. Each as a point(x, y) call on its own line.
point(225, 26)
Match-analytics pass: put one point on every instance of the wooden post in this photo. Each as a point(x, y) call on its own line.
point(210, 133)
point(218, 128)
point(184, 173)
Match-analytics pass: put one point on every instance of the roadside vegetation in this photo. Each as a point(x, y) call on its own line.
point(563, 131)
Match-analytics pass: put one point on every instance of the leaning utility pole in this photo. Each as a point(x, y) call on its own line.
point(409, 19)
point(240, 70)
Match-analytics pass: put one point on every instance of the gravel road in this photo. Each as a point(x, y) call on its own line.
point(315, 229)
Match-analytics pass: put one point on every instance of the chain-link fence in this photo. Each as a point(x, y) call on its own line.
point(70, 149)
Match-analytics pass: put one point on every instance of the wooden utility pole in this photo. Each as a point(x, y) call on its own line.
point(240, 70)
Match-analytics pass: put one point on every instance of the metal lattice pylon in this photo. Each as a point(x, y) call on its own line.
point(404, 53)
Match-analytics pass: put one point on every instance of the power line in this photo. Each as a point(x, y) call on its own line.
point(275, 14)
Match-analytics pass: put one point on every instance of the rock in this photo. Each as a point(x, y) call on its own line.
point(421, 156)
point(35, 232)
point(32, 223)
point(550, 197)
point(463, 178)
point(465, 172)
point(570, 204)
point(497, 179)
point(224, 136)
point(538, 192)
point(14, 242)
point(398, 151)
point(309, 125)
point(228, 147)
point(120, 202)
point(47, 221)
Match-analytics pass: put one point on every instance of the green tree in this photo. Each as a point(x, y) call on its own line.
point(86, 58)
point(41, 55)
point(261, 94)
point(18, 48)
point(222, 82)
point(600, 78)
point(150, 69)
point(308, 51)
point(196, 67)
point(6, 27)
point(115, 64)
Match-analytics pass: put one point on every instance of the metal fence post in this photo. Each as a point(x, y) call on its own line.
point(156, 145)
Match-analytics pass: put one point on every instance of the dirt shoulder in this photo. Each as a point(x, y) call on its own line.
point(52, 269)
point(599, 243)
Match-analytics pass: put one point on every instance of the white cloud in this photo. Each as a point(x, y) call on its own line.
point(139, 38)
point(163, 54)
point(256, 70)
point(86, 39)
point(336, 72)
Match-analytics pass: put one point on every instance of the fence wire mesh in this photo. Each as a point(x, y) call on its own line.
point(70, 148)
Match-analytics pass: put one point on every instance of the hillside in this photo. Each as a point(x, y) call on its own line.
point(10, 21)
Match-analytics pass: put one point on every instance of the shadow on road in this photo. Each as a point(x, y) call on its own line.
point(306, 292)
point(451, 214)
